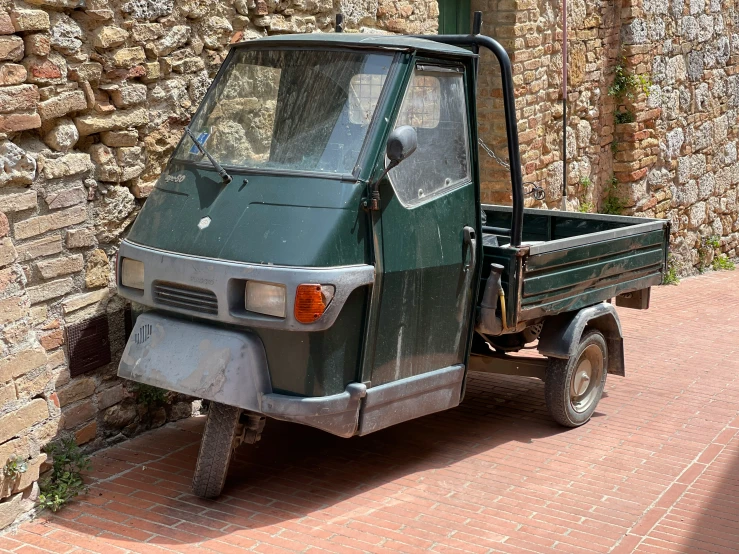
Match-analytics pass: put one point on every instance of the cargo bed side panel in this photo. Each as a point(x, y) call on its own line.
point(580, 275)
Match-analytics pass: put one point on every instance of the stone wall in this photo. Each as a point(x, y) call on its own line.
point(93, 99)
point(672, 153)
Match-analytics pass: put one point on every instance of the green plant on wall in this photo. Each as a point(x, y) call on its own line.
point(612, 204)
point(670, 277)
point(585, 207)
point(585, 182)
point(65, 480)
point(14, 467)
point(626, 85)
point(624, 117)
point(722, 263)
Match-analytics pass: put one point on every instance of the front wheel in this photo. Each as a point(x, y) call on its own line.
point(573, 387)
point(218, 443)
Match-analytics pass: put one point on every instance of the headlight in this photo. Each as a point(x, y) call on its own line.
point(265, 298)
point(132, 274)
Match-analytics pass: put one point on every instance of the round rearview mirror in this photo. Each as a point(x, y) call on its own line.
point(401, 143)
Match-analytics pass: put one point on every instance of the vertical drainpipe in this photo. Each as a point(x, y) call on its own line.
point(564, 105)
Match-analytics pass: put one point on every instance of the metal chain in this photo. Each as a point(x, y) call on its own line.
point(492, 154)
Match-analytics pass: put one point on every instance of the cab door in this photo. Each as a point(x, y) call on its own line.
point(428, 223)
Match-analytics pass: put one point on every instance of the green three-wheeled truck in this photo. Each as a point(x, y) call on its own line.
point(316, 250)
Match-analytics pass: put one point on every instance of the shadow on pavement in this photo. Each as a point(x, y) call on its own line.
point(296, 471)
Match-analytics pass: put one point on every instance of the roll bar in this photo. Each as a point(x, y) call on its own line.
point(475, 41)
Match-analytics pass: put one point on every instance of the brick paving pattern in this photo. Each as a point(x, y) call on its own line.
point(655, 471)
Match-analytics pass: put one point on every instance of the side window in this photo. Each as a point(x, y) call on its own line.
point(436, 106)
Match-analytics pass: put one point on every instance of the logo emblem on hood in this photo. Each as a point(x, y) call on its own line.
point(204, 223)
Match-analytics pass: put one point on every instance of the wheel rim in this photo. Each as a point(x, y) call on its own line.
point(585, 381)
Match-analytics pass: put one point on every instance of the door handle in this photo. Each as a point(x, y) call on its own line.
point(471, 243)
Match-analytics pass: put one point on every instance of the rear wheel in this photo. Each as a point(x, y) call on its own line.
point(220, 439)
point(573, 387)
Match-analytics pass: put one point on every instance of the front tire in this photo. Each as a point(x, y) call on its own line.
point(218, 443)
point(573, 387)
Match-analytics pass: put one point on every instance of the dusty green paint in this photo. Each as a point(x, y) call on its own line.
point(425, 313)
point(426, 293)
point(318, 363)
point(268, 219)
point(454, 17)
point(575, 276)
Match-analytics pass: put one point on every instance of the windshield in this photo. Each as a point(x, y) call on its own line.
point(290, 109)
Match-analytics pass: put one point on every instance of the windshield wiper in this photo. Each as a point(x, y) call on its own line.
point(222, 172)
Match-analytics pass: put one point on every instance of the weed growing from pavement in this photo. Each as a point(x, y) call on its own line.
point(65, 481)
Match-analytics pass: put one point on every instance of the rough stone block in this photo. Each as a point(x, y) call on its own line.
point(12, 74)
point(15, 122)
point(52, 289)
point(46, 246)
point(76, 415)
point(87, 433)
point(6, 24)
point(80, 301)
point(38, 44)
point(11, 509)
point(11, 48)
point(77, 390)
point(63, 135)
point(20, 97)
point(66, 166)
point(7, 394)
point(30, 20)
point(129, 95)
point(128, 57)
point(18, 202)
point(122, 119)
point(43, 223)
point(66, 197)
point(28, 387)
point(87, 71)
point(18, 167)
point(145, 32)
point(80, 238)
point(12, 309)
point(119, 138)
point(51, 70)
point(109, 37)
point(106, 398)
point(60, 266)
point(63, 104)
point(97, 270)
point(8, 254)
point(23, 418)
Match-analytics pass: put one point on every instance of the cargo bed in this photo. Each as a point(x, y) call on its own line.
point(568, 261)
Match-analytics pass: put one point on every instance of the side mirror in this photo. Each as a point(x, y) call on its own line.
point(401, 143)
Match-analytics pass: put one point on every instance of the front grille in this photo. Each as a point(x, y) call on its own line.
point(186, 298)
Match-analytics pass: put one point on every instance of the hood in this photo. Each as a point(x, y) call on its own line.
point(303, 221)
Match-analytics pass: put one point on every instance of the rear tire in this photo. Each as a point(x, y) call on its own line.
point(220, 438)
point(573, 387)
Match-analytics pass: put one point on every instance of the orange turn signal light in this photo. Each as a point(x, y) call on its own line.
point(311, 301)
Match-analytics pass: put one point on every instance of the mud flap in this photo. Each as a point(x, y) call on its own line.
point(200, 360)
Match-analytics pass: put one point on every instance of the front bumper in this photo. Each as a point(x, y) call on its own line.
point(229, 367)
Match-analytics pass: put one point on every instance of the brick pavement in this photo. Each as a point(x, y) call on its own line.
point(655, 471)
